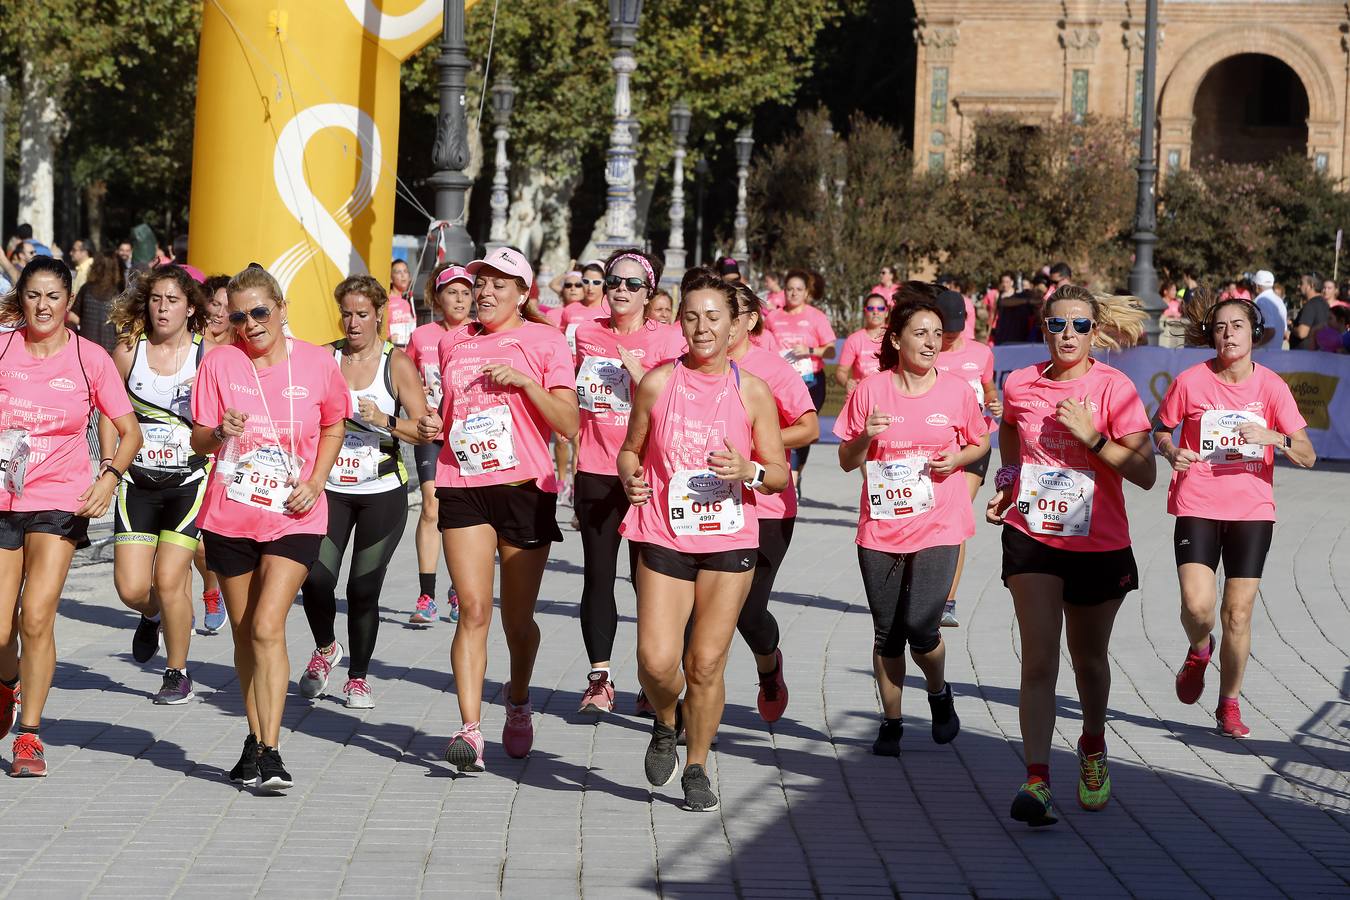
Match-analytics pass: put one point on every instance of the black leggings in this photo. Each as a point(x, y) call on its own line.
point(600, 505)
point(816, 389)
point(378, 520)
point(906, 593)
point(757, 625)
point(1241, 545)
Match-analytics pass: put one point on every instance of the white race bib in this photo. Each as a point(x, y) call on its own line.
point(899, 488)
point(571, 334)
point(1056, 501)
point(14, 451)
point(431, 377)
point(978, 388)
point(401, 332)
point(164, 447)
point(1220, 442)
point(482, 442)
point(358, 461)
point(805, 367)
point(260, 478)
point(604, 385)
point(698, 502)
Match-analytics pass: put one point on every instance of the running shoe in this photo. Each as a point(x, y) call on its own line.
point(518, 732)
point(1094, 780)
point(888, 739)
point(574, 523)
point(698, 792)
point(215, 612)
point(272, 774)
point(946, 723)
point(425, 613)
point(1191, 678)
point(949, 615)
point(642, 707)
point(1034, 806)
point(662, 761)
point(452, 600)
point(9, 702)
point(599, 696)
point(773, 692)
point(465, 751)
point(315, 679)
point(246, 770)
point(1229, 716)
point(176, 689)
point(145, 641)
point(358, 694)
point(30, 759)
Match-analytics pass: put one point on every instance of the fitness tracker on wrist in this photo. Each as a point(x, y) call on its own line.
point(758, 478)
point(1101, 442)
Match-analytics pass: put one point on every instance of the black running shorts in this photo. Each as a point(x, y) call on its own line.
point(1090, 577)
point(1241, 545)
point(686, 566)
point(521, 514)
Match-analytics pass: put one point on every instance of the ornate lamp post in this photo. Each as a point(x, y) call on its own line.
point(680, 117)
point(1143, 277)
point(450, 153)
point(745, 145)
point(700, 186)
point(503, 98)
point(620, 214)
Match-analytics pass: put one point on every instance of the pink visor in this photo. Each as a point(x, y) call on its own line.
point(451, 273)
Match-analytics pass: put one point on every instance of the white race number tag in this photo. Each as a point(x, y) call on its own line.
point(604, 385)
point(1056, 501)
point(164, 447)
point(1220, 441)
point(482, 442)
point(899, 488)
point(260, 479)
point(14, 451)
point(431, 377)
point(358, 461)
point(698, 502)
point(571, 334)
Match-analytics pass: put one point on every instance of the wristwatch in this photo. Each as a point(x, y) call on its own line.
point(1101, 442)
point(758, 478)
point(1288, 441)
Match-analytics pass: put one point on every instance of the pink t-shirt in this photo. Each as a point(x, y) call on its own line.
point(859, 355)
point(793, 401)
point(690, 509)
point(765, 339)
point(288, 413)
point(968, 333)
point(887, 291)
point(808, 327)
point(903, 507)
point(1061, 461)
point(402, 319)
point(479, 414)
point(973, 363)
point(553, 314)
point(605, 390)
point(576, 313)
point(1233, 482)
point(50, 399)
point(775, 299)
point(424, 349)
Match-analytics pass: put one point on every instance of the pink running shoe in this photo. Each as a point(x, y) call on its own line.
point(1191, 678)
point(773, 692)
point(315, 679)
point(1229, 716)
point(599, 696)
point(465, 751)
point(518, 732)
point(425, 613)
point(642, 707)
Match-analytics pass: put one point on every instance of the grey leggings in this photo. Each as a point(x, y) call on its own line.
point(906, 592)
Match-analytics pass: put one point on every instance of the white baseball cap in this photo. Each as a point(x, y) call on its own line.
point(1263, 279)
point(506, 260)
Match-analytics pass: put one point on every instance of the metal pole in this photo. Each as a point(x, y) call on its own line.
point(620, 212)
point(503, 95)
point(675, 256)
point(745, 144)
point(1143, 277)
point(700, 175)
point(4, 106)
point(450, 153)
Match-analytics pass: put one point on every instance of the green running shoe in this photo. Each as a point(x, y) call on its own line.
point(1094, 781)
point(1034, 806)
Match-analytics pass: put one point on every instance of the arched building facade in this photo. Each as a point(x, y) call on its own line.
point(1241, 80)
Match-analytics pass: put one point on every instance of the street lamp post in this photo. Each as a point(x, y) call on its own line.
point(4, 105)
point(700, 185)
point(620, 214)
point(745, 145)
point(503, 98)
point(1143, 281)
point(680, 117)
point(450, 153)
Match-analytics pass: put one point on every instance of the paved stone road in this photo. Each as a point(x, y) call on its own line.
point(137, 803)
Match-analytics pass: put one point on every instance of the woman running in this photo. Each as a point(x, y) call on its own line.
point(806, 340)
point(972, 362)
point(509, 385)
point(50, 382)
point(702, 436)
point(449, 292)
point(612, 355)
point(402, 318)
point(1072, 430)
point(912, 429)
point(858, 358)
point(271, 408)
point(1232, 412)
point(777, 513)
point(218, 333)
point(155, 533)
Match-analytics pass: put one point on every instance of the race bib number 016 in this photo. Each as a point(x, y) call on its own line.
point(163, 447)
point(1220, 442)
point(261, 479)
point(898, 488)
point(698, 502)
point(358, 461)
point(603, 385)
point(1056, 501)
point(482, 442)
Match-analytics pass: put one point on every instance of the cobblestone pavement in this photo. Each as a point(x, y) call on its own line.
point(137, 802)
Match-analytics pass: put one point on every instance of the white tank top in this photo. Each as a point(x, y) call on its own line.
point(370, 461)
point(163, 407)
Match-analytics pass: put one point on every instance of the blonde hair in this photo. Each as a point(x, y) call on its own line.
point(1116, 315)
point(255, 276)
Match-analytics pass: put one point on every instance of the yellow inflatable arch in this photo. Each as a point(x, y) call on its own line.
point(296, 141)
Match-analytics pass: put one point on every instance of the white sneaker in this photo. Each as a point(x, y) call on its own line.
point(949, 615)
point(315, 679)
point(358, 694)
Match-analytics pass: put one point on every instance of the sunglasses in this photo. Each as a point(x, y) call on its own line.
point(259, 314)
point(874, 309)
point(571, 284)
point(1057, 324)
point(633, 284)
point(592, 281)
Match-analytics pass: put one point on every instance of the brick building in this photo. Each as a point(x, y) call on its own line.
point(1239, 80)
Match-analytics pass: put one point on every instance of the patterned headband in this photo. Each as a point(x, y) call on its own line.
point(640, 260)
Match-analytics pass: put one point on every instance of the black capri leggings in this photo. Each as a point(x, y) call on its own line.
point(1241, 545)
point(816, 389)
point(378, 521)
point(906, 593)
point(756, 624)
point(600, 504)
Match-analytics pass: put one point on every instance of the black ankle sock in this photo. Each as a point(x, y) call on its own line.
point(10, 683)
point(27, 729)
point(428, 583)
point(893, 723)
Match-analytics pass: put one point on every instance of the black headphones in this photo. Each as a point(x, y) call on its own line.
point(1257, 319)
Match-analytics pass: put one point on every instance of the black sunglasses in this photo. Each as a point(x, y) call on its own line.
point(571, 284)
point(259, 314)
point(633, 284)
point(1057, 324)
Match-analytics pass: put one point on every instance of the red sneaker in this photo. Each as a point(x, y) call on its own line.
point(599, 696)
point(518, 732)
point(9, 701)
point(773, 692)
point(1191, 678)
point(29, 757)
point(1229, 716)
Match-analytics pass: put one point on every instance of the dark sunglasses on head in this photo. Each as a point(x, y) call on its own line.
point(571, 284)
point(874, 308)
point(259, 314)
point(1057, 324)
point(633, 284)
point(592, 281)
